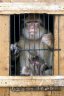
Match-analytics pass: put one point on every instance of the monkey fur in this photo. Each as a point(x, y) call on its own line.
point(35, 57)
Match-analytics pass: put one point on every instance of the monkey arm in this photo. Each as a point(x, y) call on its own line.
point(48, 40)
point(21, 43)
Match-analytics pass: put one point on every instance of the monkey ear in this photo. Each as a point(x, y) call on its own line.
point(48, 40)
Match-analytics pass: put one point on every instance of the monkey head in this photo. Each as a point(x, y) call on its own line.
point(33, 28)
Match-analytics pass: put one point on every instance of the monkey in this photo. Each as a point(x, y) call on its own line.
point(36, 42)
point(35, 46)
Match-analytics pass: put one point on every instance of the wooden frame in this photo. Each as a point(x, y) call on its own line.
point(17, 81)
point(6, 9)
point(17, 8)
point(37, 7)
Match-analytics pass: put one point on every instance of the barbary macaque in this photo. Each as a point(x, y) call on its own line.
point(35, 44)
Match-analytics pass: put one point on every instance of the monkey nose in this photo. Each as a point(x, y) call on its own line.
point(32, 30)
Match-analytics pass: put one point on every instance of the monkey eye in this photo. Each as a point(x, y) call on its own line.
point(36, 24)
point(29, 23)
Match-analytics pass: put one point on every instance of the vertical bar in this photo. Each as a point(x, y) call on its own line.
point(24, 17)
point(44, 26)
point(44, 19)
point(19, 39)
point(29, 39)
point(48, 23)
point(58, 44)
point(48, 31)
point(61, 45)
point(34, 31)
point(24, 31)
point(14, 42)
point(34, 43)
point(39, 42)
point(19, 26)
point(10, 52)
point(53, 48)
point(29, 30)
point(4, 50)
point(30, 48)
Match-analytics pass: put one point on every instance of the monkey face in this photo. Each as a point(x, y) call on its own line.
point(33, 31)
point(33, 28)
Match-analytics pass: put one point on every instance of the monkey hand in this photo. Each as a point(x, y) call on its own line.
point(47, 39)
point(14, 49)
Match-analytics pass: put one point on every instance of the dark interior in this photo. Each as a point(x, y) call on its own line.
point(15, 24)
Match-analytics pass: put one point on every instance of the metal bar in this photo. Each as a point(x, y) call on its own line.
point(34, 43)
point(24, 17)
point(48, 31)
point(44, 19)
point(10, 51)
point(40, 49)
point(53, 47)
point(48, 24)
point(34, 31)
point(19, 39)
point(15, 41)
point(24, 29)
point(39, 37)
point(29, 38)
point(19, 26)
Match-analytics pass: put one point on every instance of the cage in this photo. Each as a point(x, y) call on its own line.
point(17, 27)
point(12, 23)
